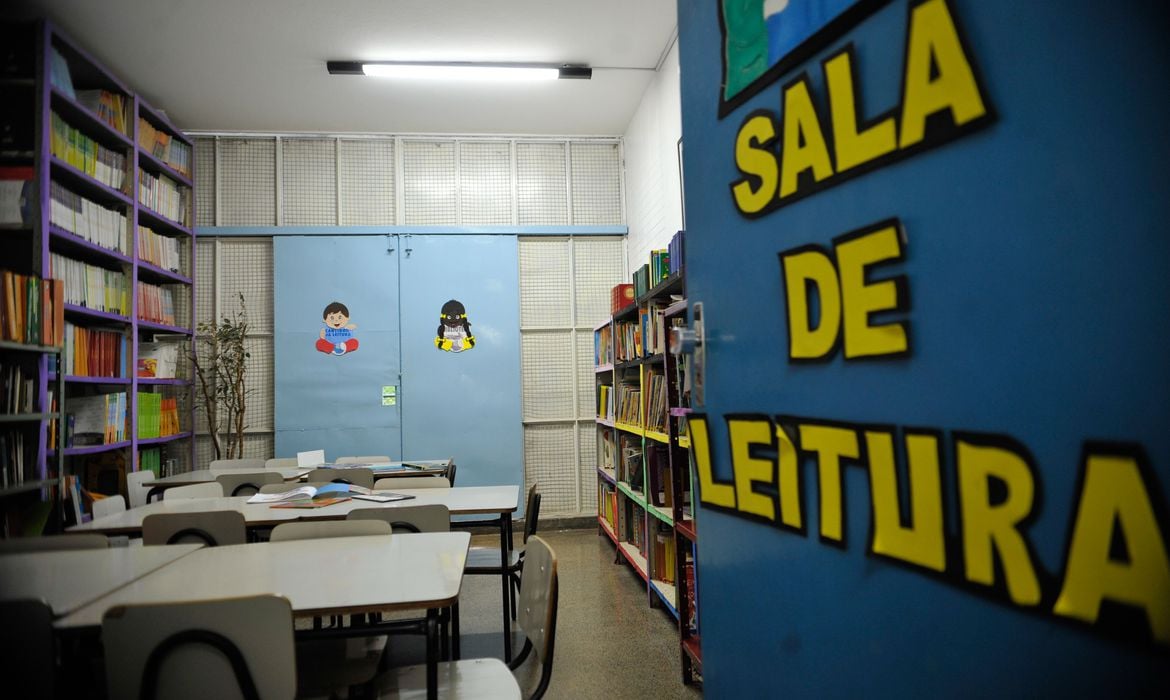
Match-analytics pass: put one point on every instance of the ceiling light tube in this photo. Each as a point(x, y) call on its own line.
point(477, 72)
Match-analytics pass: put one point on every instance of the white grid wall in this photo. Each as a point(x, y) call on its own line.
point(454, 181)
point(228, 268)
point(564, 294)
point(461, 181)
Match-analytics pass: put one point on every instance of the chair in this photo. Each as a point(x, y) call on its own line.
point(392, 483)
point(108, 506)
point(485, 561)
point(243, 463)
point(429, 518)
point(368, 459)
point(312, 530)
point(53, 543)
point(280, 463)
point(451, 474)
point(212, 528)
point(246, 483)
point(358, 476)
point(206, 649)
point(210, 489)
point(136, 486)
point(324, 665)
point(28, 656)
point(480, 678)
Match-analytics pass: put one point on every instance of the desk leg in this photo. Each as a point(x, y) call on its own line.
point(455, 632)
point(432, 654)
point(505, 552)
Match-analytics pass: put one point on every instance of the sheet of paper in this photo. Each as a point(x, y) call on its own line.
point(311, 458)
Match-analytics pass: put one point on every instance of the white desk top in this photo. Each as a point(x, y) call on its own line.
point(460, 500)
point(329, 576)
point(202, 476)
point(68, 579)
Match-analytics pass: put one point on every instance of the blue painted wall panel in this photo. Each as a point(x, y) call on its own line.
point(1036, 255)
point(325, 401)
point(466, 404)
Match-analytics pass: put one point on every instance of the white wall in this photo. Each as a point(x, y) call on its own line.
point(653, 192)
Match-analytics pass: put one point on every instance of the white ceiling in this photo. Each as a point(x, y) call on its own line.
point(259, 65)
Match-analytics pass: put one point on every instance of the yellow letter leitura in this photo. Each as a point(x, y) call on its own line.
point(922, 542)
point(788, 468)
point(804, 145)
point(831, 443)
point(987, 527)
point(743, 432)
point(802, 267)
point(1114, 501)
point(934, 44)
point(853, 147)
point(753, 158)
point(710, 491)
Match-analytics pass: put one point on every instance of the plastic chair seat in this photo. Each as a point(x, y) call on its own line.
point(486, 679)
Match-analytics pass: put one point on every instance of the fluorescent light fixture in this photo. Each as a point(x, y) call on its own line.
point(476, 72)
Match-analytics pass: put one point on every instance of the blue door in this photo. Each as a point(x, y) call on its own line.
point(336, 345)
point(461, 354)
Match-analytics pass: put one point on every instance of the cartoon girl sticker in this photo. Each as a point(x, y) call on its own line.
point(337, 335)
point(454, 333)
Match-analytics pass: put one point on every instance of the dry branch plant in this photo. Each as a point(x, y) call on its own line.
point(221, 361)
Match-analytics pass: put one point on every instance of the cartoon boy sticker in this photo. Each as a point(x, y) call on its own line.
point(337, 335)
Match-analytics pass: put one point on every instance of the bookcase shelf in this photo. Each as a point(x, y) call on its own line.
point(643, 471)
point(78, 248)
point(108, 166)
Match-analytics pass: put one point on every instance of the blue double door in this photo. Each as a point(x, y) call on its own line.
point(373, 358)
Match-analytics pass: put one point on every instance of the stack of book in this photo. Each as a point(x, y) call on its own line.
point(97, 420)
point(158, 250)
point(90, 157)
point(31, 309)
point(164, 196)
point(166, 148)
point(93, 222)
point(675, 251)
point(91, 286)
point(110, 107)
point(91, 352)
point(156, 304)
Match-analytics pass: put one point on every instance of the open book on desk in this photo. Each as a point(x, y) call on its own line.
point(309, 496)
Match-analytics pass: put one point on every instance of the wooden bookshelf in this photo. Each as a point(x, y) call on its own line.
point(107, 166)
point(643, 473)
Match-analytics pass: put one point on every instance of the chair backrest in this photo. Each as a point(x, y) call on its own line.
point(536, 611)
point(212, 528)
point(48, 543)
point(313, 530)
point(451, 474)
point(208, 649)
point(429, 518)
point(367, 459)
point(359, 476)
point(280, 462)
point(136, 486)
point(392, 483)
point(108, 505)
point(242, 463)
point(531, 512)
point(246, 483)
point(209, 489)
point(28, 658)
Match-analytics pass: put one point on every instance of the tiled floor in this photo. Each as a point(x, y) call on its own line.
point(609, 643)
